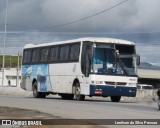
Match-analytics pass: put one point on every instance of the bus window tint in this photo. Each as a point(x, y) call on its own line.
point(64, 53)
point(35, 55)
point(27, 56)
point(54, 54)
point(44, 55)
point(74, 52)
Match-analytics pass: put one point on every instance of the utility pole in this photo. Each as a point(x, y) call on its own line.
point(17, 83)
point(4, 45)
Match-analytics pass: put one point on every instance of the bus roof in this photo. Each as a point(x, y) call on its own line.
point(91, 39)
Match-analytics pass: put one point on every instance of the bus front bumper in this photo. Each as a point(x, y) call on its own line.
point(106, 90)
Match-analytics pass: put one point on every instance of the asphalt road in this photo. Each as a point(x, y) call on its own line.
point(88, 109)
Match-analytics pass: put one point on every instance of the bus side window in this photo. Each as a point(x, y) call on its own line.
point(44, 55)
point(35, 56)
point(54, 54)
point(64, 50)
point(27, 56)
point(74, 52)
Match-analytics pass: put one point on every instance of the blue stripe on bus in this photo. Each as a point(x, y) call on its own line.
point(113, 90)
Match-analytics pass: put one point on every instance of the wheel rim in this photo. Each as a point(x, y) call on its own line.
point(77, 90)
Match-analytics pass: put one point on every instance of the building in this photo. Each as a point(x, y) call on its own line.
point(149, 74)
point(12, 77)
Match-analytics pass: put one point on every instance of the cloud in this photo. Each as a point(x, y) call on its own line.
point(149, 53)
point(132, 16)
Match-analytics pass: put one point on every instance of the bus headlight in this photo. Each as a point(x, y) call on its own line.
point(132, 84)
point(97, 82)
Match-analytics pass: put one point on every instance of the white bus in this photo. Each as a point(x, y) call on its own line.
point(81, 67)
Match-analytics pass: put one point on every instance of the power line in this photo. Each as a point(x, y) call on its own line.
point(72, 22)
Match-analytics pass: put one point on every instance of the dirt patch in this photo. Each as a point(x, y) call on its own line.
point(16, 113)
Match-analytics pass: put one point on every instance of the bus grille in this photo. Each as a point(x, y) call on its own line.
point(115, 83)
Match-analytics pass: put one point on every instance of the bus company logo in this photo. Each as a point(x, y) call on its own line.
point(6, 122)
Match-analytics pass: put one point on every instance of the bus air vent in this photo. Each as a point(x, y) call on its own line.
point(115, 83)
point(109, 83)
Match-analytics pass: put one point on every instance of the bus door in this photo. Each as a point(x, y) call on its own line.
point(86, 67)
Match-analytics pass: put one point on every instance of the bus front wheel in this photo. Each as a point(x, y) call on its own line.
point(78, 95)
point(115, 98)
point(37, 94)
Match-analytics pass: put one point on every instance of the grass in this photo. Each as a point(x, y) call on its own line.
point(10, 61)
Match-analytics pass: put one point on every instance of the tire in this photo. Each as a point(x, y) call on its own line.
point(159, 105)
point(115, 98)
point(67, 96)
point(37, 94)
point(77, 94)
point(42, 94)
point(158, 93)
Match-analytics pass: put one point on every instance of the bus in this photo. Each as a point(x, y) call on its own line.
point(105, 67)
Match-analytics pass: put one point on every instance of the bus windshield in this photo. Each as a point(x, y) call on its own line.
point(127, 63)
point(105, 62)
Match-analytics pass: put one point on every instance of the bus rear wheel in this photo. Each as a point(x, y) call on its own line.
point(78, 95)
point(37, 94)
point(115, 98)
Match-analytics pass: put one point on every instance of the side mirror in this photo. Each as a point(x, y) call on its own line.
point(138, 60)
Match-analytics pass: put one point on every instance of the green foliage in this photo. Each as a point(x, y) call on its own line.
point(10, 61)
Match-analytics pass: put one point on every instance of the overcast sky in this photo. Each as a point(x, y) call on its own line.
point(135, 20)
